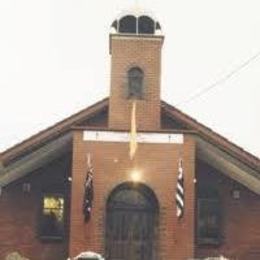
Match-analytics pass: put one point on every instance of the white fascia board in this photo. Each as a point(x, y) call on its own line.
point(123, 137)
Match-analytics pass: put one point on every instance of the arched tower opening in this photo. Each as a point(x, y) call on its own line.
point(136, 22)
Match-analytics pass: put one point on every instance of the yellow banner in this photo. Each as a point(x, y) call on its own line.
point(133, 133)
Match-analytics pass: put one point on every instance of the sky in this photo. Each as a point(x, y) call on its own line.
point(54, 61)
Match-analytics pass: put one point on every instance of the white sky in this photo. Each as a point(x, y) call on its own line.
point(54, 61)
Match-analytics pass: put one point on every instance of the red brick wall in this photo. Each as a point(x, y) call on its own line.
point(158, 166)
point(20, 213)
point(240, 218)
point(126, 52)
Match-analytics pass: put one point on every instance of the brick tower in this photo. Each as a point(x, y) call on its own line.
point(133, 214)
point(135, 48)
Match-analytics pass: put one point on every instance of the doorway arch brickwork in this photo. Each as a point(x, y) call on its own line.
point(132, 213)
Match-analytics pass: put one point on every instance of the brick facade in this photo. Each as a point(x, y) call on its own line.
point(127, 52)
point(113, 167)
point(240, 225)
point(20, 212)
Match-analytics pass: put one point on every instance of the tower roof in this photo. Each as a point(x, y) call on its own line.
point(136, 21)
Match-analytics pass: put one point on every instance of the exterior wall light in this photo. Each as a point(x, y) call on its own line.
point(135, 175)
point(236, 194)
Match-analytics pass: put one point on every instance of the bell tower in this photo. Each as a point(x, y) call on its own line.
point(135, 49)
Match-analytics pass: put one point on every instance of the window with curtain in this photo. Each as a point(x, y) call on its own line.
point(52, 217)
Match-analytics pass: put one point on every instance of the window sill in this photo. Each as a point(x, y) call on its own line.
point(51, 238)
point(131, 98)
point(209, 242)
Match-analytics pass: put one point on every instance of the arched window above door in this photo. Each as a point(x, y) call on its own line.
point(127, 196)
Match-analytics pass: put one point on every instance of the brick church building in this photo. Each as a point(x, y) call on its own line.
point(184, 192)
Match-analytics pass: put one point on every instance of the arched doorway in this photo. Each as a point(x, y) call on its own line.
point(131, 223)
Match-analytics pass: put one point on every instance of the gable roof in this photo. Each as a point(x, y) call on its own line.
point(65, 125)
point(213, 137)
point(52, 132)
point(61, 133)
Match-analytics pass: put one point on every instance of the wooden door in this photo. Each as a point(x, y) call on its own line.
point(131, 225)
